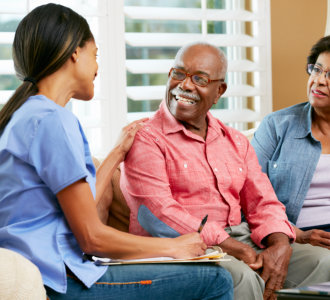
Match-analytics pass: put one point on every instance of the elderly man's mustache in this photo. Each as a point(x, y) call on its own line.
point(180, 92)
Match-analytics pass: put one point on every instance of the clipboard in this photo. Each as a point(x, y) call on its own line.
point(214, 256)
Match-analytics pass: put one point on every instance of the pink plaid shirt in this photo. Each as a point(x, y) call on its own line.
point(180, 178)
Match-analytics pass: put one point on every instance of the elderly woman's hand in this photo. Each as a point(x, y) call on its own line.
point(315, 237)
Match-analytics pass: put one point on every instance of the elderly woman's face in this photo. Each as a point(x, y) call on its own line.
point(318, 86)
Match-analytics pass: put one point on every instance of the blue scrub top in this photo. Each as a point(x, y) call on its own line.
point(43, 149)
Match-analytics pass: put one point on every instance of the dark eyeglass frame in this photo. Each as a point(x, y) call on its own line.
point(310, 71)
point(192, 78)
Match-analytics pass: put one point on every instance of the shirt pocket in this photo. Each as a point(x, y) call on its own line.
point(189, 178)
point(237, 175)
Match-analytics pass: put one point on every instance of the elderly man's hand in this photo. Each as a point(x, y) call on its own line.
point(273, 263)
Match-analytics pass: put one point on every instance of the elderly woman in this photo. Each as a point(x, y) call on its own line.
point(293, 148)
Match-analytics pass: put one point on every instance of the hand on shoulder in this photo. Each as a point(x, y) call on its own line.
point(127, 135)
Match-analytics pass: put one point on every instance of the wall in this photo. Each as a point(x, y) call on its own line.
point(295, 26)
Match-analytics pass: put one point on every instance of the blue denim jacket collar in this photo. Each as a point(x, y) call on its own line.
point(305, 128)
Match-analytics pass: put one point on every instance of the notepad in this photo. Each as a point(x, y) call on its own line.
point(213, 256)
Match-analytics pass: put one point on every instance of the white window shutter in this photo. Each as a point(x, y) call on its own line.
point(116, 95)
point(235, 39)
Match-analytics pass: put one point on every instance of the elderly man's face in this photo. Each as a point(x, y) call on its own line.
point(186, 101)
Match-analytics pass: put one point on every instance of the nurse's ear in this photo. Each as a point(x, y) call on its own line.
point(75, 55)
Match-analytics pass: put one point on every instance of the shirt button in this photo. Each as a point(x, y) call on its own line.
point(185, 165)
point(275, 165)
point(147, 128)
point(240, 169)
point(215, 170)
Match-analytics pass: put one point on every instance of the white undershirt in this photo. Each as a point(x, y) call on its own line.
point(316, 207)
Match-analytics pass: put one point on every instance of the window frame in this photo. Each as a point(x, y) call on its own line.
point(112, 92)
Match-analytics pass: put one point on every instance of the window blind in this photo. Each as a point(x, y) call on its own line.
point(241, 28)
point(137, 41)
point(90, 113)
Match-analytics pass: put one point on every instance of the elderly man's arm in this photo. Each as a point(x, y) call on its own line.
point(269, 225)
point(261, 208)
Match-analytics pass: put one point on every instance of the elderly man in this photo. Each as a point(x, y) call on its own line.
point(185, 164)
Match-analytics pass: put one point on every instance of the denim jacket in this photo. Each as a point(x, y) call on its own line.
point(288, 154)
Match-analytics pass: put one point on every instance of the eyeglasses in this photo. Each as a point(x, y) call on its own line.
point(197, 79)
point(315, 70)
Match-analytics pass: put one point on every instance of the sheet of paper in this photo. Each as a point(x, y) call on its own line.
point(214, 256)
